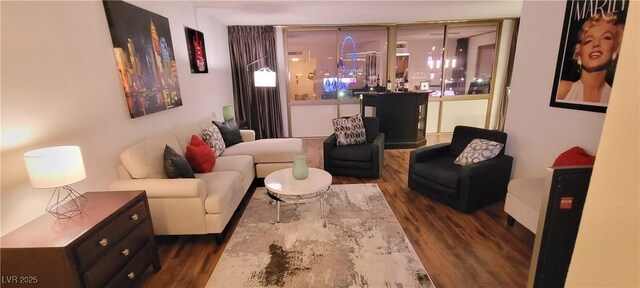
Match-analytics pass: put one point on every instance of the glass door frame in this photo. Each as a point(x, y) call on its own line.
point(391, 61)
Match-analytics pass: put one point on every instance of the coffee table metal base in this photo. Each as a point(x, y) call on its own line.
point(277, 198)
point(282, 187)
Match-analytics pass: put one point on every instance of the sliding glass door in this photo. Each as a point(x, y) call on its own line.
point(457, 62)
point(325, 67)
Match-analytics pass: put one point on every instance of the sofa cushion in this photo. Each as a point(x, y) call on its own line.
point(239, 163)
point(350, 130)
point(478, 150)
point(439, 170)
point(145, 158)
point(230, 132)
point(200, 155)
point(358, 152)
point(220, 187)
point(211, 134)
point(175, 165)
point(183, 135)
point(371, 127)
point(268, 150)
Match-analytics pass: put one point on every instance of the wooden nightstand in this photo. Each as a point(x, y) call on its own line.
point(109, 245)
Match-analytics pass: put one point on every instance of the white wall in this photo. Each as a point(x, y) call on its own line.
point(537, 132)
point(607, 251)
point(60, 86)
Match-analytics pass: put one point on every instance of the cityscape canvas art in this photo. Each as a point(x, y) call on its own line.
point(145, 58)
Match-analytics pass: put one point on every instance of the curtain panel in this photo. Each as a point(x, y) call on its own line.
point(259, 106)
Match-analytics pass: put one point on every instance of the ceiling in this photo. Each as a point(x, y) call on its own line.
point(353, 12)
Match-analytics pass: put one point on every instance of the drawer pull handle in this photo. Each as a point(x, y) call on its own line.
point(131, 275)
point(125, 252)
point(103, 242)
point(134, 217)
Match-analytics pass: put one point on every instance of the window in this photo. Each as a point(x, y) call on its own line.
point(466, 59)
point(456, 61)
point(419, 54)
point(469, 60)
point(335, 63)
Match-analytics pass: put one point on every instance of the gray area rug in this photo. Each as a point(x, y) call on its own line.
point(359, 243)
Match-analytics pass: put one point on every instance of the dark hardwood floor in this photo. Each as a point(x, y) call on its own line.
point(457, 249)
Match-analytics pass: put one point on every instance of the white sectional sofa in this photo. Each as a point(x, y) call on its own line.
point(204, 204)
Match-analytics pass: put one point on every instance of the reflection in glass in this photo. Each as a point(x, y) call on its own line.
point(469, 59)
point(467, 63)
point(424, 48)
point(317, 71)
point(311, 61)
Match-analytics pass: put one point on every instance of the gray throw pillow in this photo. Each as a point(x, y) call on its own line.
point(349, 130)
point(176, 166)
point(230, 132)
point(478, 150)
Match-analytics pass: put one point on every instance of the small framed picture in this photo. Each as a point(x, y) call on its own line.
point(424, 86)
point(197, 53)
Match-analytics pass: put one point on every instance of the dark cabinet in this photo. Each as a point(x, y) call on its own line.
point(109, 245)
point(402, 116)
point(560, 216)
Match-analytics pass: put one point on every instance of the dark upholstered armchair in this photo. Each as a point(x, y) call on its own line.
point(465, 188)
point(359, 160)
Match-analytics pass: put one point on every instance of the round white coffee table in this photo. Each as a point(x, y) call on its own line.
point(282, 187)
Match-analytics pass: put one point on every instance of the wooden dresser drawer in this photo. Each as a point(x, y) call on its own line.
point(97, 244)
point(132, 217)
point(103, 240)
point(116, 258)
point(131, 273)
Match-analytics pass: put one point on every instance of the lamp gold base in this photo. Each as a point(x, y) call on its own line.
point(65, 202)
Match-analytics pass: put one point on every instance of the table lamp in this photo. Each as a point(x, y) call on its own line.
point(58, 167)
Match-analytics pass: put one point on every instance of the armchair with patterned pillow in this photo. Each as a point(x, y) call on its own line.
point(467, 174)
point(349, 152)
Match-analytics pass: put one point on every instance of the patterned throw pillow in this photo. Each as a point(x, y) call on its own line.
point(213, 137)
point(349, 130)
point(478, 150)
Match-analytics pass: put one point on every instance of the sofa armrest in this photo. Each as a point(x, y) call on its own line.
point(327, 145)
point(248, 135)
point(164, 188)
point(428, 152)
point(378, 148)
point(489, 179)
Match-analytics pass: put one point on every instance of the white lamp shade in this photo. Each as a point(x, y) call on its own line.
point(54, 166)
point(264, 78)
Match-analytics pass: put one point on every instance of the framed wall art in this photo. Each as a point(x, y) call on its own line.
point(197, 53)
point(589, 50)
point(145, 59)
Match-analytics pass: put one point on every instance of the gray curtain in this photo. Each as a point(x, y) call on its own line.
point(259, 106)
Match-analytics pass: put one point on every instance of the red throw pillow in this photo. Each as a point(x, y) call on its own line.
point(200, 155)
point(574, 157)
